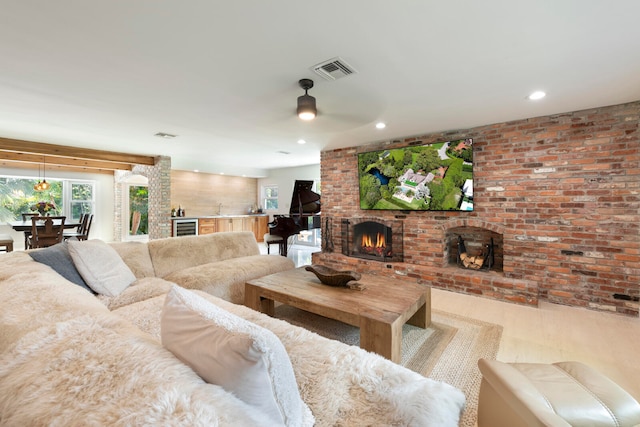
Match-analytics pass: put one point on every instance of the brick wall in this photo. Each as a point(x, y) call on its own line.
point(562, 190)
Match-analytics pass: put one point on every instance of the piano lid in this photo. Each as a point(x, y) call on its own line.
point(303, 200)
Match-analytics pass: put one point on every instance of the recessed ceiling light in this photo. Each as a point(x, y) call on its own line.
point(221, 173)
point(196, 170)
point(380, 125)
point(537, 95)
point(165, 135)
point(302, 141)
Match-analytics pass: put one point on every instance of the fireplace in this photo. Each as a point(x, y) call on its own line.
point(372, 238)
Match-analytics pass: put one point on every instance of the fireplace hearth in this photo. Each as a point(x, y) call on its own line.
point(372, 239)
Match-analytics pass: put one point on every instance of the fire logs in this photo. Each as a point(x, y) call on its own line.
point(473, 262)
point(484, 259)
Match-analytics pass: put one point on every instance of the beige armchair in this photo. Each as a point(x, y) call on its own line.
point(566, 394)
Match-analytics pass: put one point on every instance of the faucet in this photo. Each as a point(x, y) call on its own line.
point(219, 208)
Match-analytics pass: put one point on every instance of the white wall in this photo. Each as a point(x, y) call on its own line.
point(285, 178)
point(102, 226)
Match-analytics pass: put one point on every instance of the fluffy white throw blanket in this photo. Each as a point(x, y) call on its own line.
point(65, 359)
point(343, 385)
point(92, 371)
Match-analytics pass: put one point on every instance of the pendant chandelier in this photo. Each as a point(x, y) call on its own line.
point(42, 185)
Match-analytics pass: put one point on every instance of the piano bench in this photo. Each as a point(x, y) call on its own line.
point(272, 239)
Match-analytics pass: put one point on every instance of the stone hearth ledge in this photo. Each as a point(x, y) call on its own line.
point(490, 284)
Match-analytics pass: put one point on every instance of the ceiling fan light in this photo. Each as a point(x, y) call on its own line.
point(307, 107)
point(308, 115)
point(537, 95)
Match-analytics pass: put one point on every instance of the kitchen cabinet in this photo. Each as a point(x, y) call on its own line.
point(257, 224)
point(263, 227)
point(207, 225)
point(229, 224)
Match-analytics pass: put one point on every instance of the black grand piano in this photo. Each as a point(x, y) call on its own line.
point(304, 214)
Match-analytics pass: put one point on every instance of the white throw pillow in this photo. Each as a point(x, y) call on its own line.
point(243, 358)
point(100, 266)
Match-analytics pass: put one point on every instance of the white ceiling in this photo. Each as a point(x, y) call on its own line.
point(223, 74)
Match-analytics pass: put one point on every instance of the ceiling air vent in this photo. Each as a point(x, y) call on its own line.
point(333, 69)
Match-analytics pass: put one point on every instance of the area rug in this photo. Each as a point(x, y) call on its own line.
point(448, 350)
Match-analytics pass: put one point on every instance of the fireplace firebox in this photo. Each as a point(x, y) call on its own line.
point(372, 239)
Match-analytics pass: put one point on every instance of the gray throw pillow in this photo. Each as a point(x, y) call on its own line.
point(100, 266)
point(58, 258)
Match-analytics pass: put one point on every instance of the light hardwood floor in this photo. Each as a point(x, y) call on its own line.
point(550, 333)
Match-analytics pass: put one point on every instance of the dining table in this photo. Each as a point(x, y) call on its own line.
point(26, 225)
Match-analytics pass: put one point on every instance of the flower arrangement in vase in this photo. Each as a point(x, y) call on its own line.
point(44, 208)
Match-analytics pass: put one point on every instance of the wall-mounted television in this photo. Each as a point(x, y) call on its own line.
point(429, 177)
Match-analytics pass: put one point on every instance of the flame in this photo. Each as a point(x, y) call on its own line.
point(368, 241)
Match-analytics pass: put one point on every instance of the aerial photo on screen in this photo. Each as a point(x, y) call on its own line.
point(434, 177)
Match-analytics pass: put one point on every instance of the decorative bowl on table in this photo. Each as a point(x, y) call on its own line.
point(337, 278)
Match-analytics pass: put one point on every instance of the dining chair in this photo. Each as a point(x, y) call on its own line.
point(26, 216)
point(6, 243)
point(135, 222)
point(87, 228)
point(74, 234)
point(46, 231)
point(82, 232)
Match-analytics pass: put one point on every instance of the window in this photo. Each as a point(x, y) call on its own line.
point(81, 199)
point(311, 237)
point(71, 198)
point(271, 197)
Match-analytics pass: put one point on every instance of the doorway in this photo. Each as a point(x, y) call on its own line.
point(136, 208)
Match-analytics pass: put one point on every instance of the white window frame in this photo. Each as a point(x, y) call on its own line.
point(67, 200)
point(265, 198)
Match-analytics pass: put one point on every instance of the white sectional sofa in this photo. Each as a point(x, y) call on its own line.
point(70, 357)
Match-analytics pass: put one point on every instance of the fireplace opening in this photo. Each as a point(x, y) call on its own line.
point(481, 249)
point(372, 239)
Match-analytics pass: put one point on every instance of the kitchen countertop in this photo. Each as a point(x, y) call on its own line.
point(218, 216)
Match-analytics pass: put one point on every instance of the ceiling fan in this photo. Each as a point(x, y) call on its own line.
point(306, 103)
point(344, 107)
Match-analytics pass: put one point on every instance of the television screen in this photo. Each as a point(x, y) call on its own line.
point(433, 177)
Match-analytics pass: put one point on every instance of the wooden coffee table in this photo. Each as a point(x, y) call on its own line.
point(379, 310)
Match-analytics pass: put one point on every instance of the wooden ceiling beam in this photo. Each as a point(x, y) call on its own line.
point(51, 161)
point(20, 146)
point(34, 167)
